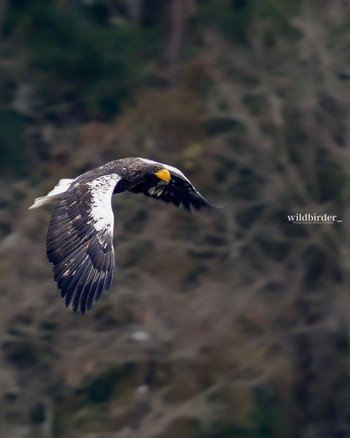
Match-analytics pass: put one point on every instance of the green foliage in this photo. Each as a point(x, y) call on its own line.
point(76, 59)
point(13, 152)
point(268, 420)
point(256, 104)
point(232, 19)
point(237, 19)
point(218, 125)
point(111, 383)
point(269, 417)
point(22, 353)
point(37, 413)
point(101, 389)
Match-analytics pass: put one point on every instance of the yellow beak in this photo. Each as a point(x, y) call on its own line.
point(163, 174)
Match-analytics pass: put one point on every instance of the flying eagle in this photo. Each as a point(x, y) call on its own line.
point(80, 235)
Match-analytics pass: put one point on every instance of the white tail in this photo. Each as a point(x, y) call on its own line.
point(62, 186)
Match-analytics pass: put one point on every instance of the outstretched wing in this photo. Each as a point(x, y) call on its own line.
point(179, 190)
point(80, 241)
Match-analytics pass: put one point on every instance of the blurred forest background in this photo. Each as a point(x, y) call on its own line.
point(231, 325)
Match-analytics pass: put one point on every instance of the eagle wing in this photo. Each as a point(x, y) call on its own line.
point(178, 191)
point(80, 241)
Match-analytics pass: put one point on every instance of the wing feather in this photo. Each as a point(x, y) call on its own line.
point(81, 289)
point(80, 241)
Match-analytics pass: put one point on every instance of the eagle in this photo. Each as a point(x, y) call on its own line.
point(79, 239)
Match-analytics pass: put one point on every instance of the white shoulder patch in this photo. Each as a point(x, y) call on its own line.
point(101, 190)
point(62, 186)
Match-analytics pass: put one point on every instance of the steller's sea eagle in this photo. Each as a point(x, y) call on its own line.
point(80, 235)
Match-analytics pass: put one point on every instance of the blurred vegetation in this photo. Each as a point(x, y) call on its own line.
point(236, 19)
point(78, 60)
point(234, 325)
point(14, 153)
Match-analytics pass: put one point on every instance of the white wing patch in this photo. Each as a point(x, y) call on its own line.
point(101, 189)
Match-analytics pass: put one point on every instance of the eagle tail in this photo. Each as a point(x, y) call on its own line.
point(62, 186)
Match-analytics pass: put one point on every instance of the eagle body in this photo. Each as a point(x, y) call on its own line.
point(80, 234)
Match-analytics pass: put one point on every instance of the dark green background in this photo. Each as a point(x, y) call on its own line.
point(245, 316)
